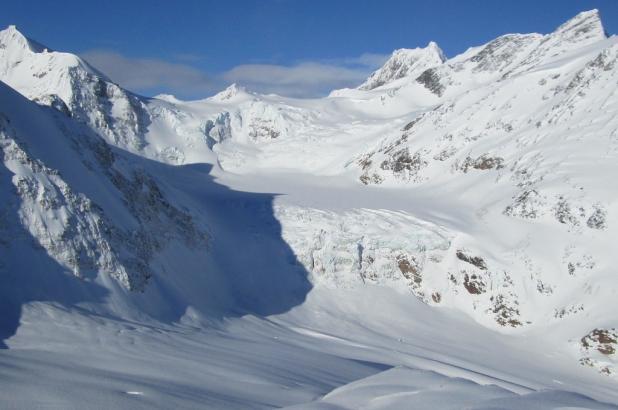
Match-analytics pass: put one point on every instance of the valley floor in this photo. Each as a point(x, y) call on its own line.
point(339, 350)
point(346, 348)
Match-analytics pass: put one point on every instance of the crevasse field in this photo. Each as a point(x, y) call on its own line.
point(441, 237)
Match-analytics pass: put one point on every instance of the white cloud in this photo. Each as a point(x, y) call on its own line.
point(372, 60)
point(304, 79)
point(368, 60)
point(301, 80)
point(147, 74)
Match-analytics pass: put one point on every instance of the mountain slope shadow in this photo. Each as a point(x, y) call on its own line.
point(246, 267)
point(249, 267)
point(27, 273)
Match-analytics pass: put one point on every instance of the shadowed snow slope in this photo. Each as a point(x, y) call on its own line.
point(91, 220)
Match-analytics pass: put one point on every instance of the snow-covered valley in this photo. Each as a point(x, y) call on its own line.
point(443, 236)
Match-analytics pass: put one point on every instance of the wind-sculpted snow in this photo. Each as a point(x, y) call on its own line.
point(343, 349)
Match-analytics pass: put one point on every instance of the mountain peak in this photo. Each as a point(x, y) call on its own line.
point(168, 98)
point(12, 38)
point(433, 47)
point(585, 25)
point(230, 92)
point(22, 61)
point(405, 62)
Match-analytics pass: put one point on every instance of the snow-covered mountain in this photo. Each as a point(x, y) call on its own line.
point(405, 63)
point(455, 216)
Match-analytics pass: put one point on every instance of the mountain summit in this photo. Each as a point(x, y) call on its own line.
point(587, 25)
point(12, 38)
point(405, 63)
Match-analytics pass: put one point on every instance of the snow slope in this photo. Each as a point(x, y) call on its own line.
point(441, 236)
point(334, 351)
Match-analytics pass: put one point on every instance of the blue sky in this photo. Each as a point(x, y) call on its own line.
point(293, 47)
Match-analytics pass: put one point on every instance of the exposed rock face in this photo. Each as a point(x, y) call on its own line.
point(410, 269)
point(401, 161)
point(81, 237)
point(482, 163)
point(501, 52)
point(78, 232)
point(67, 83)
point(505, 310)
point(473, 284)
point(52, 100)
point(527, 205)
point(599, 348)
point(604, 341)
point(473, 260)
point(598, 219)
point(430, 78)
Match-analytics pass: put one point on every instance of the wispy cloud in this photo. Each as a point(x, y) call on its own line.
point(148, 74)
point(368, 60)
point(303, 79)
